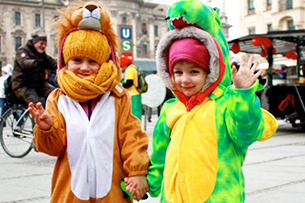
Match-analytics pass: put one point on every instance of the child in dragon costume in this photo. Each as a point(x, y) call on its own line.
point(202, 136)
point(88, 124)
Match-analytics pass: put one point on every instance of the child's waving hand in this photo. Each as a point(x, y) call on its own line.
point(245, 76)
point(41, 117)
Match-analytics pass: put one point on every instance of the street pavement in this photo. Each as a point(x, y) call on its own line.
point(274, 171)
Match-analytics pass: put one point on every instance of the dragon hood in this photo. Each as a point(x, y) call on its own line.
point(193, 13)
point(216, 64)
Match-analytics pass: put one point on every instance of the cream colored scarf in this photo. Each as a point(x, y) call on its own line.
point(84, 89)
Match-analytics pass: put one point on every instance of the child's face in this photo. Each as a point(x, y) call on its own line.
point(83, 67)
point(189, 78)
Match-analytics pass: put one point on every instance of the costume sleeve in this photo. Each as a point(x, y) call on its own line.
point(52, 142)
point(161, 139)
point(133, 141)
point(24, 60)
point(244, 117)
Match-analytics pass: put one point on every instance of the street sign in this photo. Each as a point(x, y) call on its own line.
point(126, 46)
point(126, 33)
point(126, 38)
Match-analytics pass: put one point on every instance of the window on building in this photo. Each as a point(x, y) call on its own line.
point(290, 25)
point(17, 42)
point(251, 31)
point(156, 30)
point(37, 20)
point(289, 4)
point(269, 2)
point(269, 27)
point(144, 28)
point(251, 9)
point(251, 5)
point(124, 20)
point(144, 49)
point(17, 18)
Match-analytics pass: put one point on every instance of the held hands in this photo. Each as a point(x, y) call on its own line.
point(245, 76)
point(41, 117)
point(137, 186)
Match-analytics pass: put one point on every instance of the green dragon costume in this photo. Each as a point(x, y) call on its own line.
point(200, 143)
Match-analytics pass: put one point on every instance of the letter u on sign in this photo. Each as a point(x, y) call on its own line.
point(125, 33)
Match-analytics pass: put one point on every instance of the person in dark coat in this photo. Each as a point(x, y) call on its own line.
point(32, 69)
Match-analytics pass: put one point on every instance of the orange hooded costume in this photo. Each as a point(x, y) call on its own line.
point(95, 154)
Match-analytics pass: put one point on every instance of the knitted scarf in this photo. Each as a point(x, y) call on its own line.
point(84, 89)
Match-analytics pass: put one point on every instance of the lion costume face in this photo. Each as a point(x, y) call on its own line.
point(89, 16)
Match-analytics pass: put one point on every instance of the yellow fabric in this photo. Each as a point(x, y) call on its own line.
point(217, 92)
point(87, 43)
point(84, 89)
point(191, 160)
point(270, 125)
point(131, 73)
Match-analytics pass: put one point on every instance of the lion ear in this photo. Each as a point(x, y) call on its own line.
point(77, 17)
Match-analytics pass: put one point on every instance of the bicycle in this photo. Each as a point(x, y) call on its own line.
point(16, 131)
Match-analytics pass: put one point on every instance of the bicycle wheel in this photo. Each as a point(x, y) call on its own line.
point(17, 132)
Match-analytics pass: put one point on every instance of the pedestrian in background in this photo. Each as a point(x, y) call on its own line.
point(201, 137)
point(6, 71)
point(32, 68)
point(131, 84)
point(87, 123)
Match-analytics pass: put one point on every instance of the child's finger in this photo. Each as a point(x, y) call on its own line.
point(137, 195)
point(243, 57)
point(254, 67)
point(32, 108)
point(32, 111)
point(134, 189)
point(31, 105)
point(234, 70)
point(40, 107)
point(258, 73)
point(250, 61)
point(126, 180)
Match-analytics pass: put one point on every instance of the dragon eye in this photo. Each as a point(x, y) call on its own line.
point(167, 18)
point(184, 13)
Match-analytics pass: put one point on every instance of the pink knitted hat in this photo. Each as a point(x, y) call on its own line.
point(190, 50)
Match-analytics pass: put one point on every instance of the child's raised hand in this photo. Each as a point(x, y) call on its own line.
point(245, 76)
point(41, 117)
point(137, 186)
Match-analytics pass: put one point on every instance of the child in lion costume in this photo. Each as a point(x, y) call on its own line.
point(87, 123)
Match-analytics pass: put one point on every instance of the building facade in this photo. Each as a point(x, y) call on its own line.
point(261, 16)
point(21, 18)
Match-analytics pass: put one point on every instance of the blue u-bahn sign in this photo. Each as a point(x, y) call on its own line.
point(126, 38)
point(126, 33)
